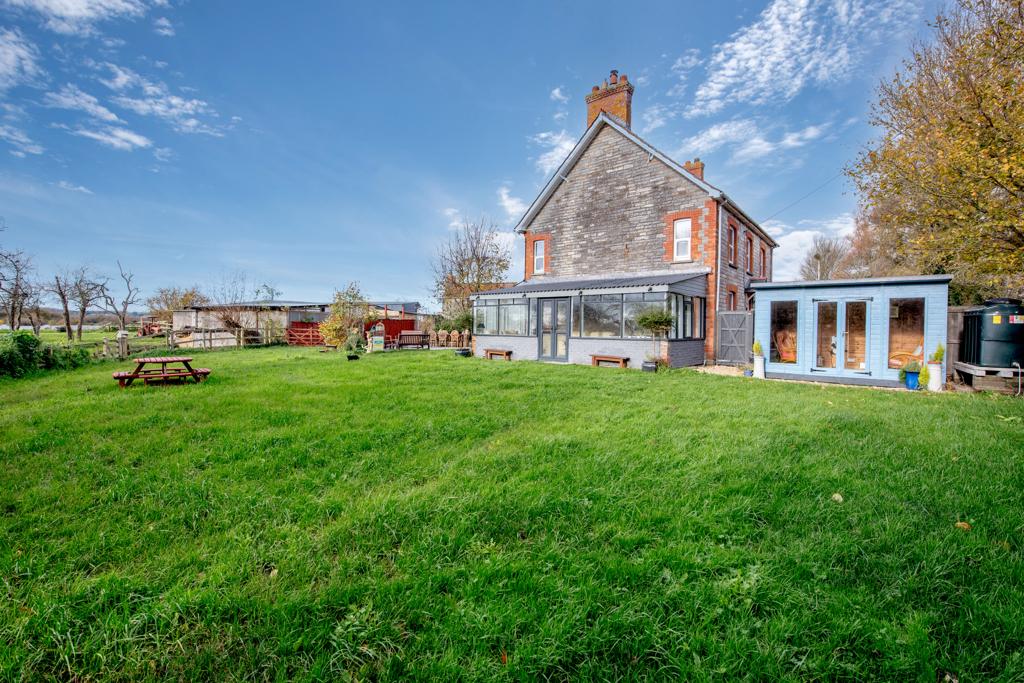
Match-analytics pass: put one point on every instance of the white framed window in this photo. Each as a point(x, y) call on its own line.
point(681, 235)
point(538, 256)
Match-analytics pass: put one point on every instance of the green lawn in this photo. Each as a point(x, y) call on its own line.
point(418, 515)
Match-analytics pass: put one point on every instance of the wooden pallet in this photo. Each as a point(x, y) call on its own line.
point(982, 378)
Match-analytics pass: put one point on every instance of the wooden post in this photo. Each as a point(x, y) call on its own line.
point(106, 348)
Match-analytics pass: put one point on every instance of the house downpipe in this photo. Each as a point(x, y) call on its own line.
point(718, 271)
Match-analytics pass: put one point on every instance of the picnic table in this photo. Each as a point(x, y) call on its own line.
point(163, 373)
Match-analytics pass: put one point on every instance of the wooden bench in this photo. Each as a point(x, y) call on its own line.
point(491, 354)
point(415, 339)
point(604, 360)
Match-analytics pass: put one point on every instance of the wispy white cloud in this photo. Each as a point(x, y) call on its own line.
point(713, 137)
point(557, 145)
point(79, 16)
point(20, 141)
point(71, 187)
point(454, 217)
point(114, 137)
point(72, 97)
point(796, 43)
point(655, 116)
point(19, 60)
point(681, 68)
point(559, 96)
point(162, 26)
point(514, 206)
point(795, 241)
point(163, 154)
point(154, 98)
point(759, 146)
point(747, 140)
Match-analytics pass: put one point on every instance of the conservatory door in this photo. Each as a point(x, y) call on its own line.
point(553, 329)
point(826, 332)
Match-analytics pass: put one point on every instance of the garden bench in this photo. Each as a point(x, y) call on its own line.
point(601, 360)
point(413, 338)
point(491, 354)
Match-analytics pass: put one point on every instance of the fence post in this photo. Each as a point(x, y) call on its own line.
point(106, 348)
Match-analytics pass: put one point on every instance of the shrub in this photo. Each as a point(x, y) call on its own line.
point(56, 357)
point(656, 321)
point(22, 352)
point(19, 353)
point(355, 342)
point(922, 379)
point(940, 353)
point(757, 348)
point(463, 321)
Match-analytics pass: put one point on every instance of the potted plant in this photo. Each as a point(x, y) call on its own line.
point(748, 370)
point(658, 322)
point(758, 359)
point(934, 370)
point(910, 375)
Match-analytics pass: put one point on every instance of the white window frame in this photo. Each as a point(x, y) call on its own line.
point(538, 246)
point(676, 240)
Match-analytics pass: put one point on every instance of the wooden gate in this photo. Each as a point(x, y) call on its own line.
point(734, 336)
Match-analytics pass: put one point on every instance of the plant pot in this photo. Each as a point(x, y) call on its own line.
point(649, 366)
point(911, 380)
point(936, 377)
point(748, 373)
point(759, 367)
point(462, 352)
point(353, 356)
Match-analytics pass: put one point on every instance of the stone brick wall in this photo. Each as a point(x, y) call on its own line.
point(609, 217)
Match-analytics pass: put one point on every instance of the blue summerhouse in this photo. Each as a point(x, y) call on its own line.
point(850, 331)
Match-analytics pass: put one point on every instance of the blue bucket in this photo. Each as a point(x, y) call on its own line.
point(911, 380)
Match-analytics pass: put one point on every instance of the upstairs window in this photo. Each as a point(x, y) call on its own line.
point(538, 256)
point(681, 233)
point(732, 245)
point(730, 300)
point(764, 263)
point(750, 255)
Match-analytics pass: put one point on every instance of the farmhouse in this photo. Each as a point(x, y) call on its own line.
point(619, 229)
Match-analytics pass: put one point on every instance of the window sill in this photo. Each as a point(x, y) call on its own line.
point(681, 260)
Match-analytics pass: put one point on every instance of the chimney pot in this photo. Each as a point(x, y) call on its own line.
point(613, 96)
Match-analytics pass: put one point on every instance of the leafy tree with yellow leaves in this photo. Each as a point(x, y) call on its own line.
point(945, 181)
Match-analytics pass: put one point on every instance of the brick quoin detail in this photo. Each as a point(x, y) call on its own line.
point(709, 244)
point(530, 239)
point(695, 229)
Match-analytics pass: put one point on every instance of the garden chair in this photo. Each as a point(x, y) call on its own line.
point(465, 338)
point(433, 339)
point(897, 359)
point(454, 340)
point(442, 338)
point(785, 344)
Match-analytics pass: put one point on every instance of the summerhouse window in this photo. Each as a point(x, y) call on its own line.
point(783, 332)
point(501, 316)
point(906, 331)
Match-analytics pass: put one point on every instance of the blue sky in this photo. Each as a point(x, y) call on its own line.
point(309, 144)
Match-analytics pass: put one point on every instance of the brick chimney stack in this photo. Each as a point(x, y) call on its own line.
point(696, 167)
point(614, 96)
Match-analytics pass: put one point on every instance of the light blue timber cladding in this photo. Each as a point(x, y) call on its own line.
point(878, 297)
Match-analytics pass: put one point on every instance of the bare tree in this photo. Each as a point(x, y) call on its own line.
point(473, 259)
point(15, 285)
point(35, 293)
point(826, 259)
point(61, 289)
point(232, 290)
point(86, 290)
point(167, 300)
point(132, 295)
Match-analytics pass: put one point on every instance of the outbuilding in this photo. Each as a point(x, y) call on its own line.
point(859, 331)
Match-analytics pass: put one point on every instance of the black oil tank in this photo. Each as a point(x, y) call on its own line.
point(993, 336)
